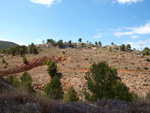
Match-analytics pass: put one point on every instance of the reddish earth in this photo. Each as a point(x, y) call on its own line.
point(32, 64)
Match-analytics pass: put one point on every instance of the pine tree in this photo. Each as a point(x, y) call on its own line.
point(26, 81)
point(102, 83)
point(54, 88)
point(52, 69)
point(71, 95)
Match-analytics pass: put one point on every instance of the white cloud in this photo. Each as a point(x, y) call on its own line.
point(134, 36)
point(98, 35)
point(59, 1)
point(45, 2)
point(128, 1)
point(37, 41)
point(134, 30)
point(139, 44)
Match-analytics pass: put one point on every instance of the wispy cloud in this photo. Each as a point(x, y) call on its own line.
point(45, 2)
point(37, 41)
point(134, 30)
point(141, 44)
point(99, 35)
point(134, 36)
point(118, 1)
point(128, 1)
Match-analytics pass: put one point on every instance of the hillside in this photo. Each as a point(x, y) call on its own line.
point(6, 44)
point(73, 63)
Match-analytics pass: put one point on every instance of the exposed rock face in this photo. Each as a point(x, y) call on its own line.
point(31, 64)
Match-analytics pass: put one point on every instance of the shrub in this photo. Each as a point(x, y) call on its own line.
point(60, 43)
point(146, 51)
point(148, 96)
point(69, 43)
point(148, 60)
point(63, 52)
point(122, 47)
point(71, 95)
point(100, 44)
point(51, 41)
point(54, 88)
point(102, 84)
point(26, 81)
point(128, 47)
point(4, 61)
point(46, 62)
point(52, 69)
point(33, 49)
point(80, 40)
point(25, 61)
point(13, 81)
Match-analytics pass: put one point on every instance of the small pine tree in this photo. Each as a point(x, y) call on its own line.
point(80, 40)
point(71, 95)
point(54, 88)
point(25, 61)
point(69, 42)
point(4, 61)
point(122, 47)
point(96, 43)
point(26, 81)
point(128, 47)
point(52, 69)
point(46, 62)
point(146, 51)
point(60, 43)
point(14, 81)
point(100, 44)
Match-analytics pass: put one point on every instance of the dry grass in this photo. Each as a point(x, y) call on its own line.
point(132, 69)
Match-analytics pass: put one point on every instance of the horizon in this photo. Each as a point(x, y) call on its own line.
point(119, 21)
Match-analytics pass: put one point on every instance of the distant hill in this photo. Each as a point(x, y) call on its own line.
point(6, 44)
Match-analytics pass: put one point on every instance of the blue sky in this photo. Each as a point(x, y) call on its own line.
point(118, 21)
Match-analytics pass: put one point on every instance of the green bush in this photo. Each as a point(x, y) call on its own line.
point(26, 81)
point(52, 69)
point(128, 47)
point(46, 62)
point(4, 61)
point(54, 88)
point(102, 84)
point(80, 40)
point(148, 60)
point(148, 96)
point(71, 95)
point(25, 61)
point(146, 51)
point(13, 81)
point(122, 47)
point(60, 43)
point(33, 49)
